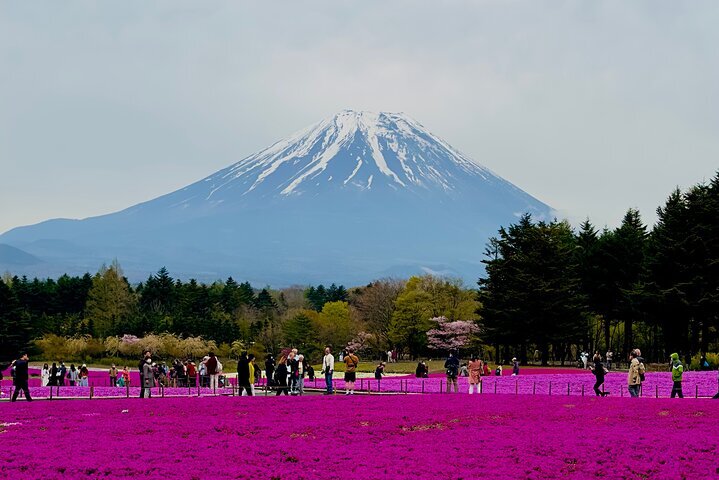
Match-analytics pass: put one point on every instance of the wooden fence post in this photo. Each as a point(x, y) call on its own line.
point(550, 389)
point(534, 388)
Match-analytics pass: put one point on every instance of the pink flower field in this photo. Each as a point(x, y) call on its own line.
point(361, 437)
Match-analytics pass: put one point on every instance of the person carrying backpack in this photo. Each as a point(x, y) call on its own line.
point(636, 372)
point(677, 372)
point(451, 366)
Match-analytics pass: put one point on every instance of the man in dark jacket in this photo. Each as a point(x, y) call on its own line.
point(270, 369)
point(21, 377)
point(451, 365)
point(243, 375)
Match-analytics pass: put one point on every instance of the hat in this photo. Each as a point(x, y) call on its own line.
point(514, 359)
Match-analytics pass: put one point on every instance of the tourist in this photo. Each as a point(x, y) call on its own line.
point(126, 376)
point(211, 366)
point(636, 372)
point(294, 368)
point(599, 371)
point(703, 363)
point(146, 355)
point(677, 372)
point(113, 375)
point(73, 375)
point(281, 376)
point(310, 373)
point(419, 371)
point(147, 379)
point(351, 362)
point(475, 374)
point(301, 368)
point(328, 369)
point(254, 372)
point(389, 356)
point(485, 369)
point(515, 367)
point(21, 377)
point(54, 372)
point(379, 371)
point(243, 375)
point(585, 359)
point(45, 375)
point(610, 356)
point(464, 370)
point(451, 366)
point(84, 376)
point(191, 374)
point(498, 371)
point(269, 368)
point(61, 374)
point(425, 367)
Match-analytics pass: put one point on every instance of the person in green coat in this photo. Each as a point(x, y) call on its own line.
point(677, 371)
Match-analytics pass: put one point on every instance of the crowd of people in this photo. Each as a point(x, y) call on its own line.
point(287, 375)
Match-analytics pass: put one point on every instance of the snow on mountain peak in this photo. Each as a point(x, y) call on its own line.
point(352, 150)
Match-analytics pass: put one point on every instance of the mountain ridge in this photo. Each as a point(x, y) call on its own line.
point(347, 198)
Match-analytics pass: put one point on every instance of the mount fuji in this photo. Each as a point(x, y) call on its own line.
point(352, 198)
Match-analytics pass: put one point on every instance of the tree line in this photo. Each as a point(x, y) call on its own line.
point(552, 290)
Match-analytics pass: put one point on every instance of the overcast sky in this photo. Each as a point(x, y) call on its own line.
point(592, 107)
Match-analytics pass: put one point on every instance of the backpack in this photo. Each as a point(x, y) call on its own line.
point(642, 370)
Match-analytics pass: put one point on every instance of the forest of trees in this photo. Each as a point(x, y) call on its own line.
point(547, 289)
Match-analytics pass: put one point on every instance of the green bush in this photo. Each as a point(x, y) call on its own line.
point(712, 358)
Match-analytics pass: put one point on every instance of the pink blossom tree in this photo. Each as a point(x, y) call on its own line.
point(457, 335)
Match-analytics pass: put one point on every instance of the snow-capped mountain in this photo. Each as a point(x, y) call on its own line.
point(351, 198)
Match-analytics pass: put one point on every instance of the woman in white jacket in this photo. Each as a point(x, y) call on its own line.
point(45, 375)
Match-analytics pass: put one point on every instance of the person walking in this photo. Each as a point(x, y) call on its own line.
point(113, 375)
point(281, 377)
point(328, 369)
point(146, 355)
point(677, 372)
point(475, 375)
point(451, 366)
point(45, 375)
point(21, 377)
point(599, 371)
point(148, 379)
point(609, 357)
point(636, 373)
point(351, 363)
point(243, 375)
point(515, 366)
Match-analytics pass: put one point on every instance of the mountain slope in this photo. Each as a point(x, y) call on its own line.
point(347, 199)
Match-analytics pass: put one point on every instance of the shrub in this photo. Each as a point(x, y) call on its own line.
point(712, 358)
